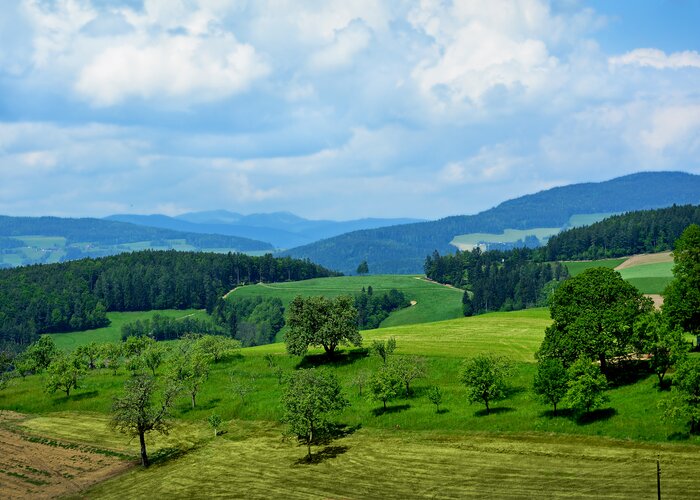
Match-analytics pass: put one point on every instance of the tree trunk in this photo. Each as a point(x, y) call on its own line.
point(488, 410)
point(555, 408)
point(144, 456)
point(603, 364)
point(194, 396)
point(67, 392)
point(384, 404)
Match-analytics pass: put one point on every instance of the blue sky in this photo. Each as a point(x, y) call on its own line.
point(337, 109)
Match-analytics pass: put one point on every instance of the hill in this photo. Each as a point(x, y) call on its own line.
point(403, 248)
point(281, 229)
point(32, 240)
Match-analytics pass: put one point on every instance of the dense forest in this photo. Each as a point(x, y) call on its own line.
point(76, 295)
point(644, 231)
point(252, 320)
point(373, 308)
point(107, 232)
point(161, 327)
point(496, 280)
point(402, 249)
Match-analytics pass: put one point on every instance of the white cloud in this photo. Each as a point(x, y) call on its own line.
point(204, 69)
point(673, 126)
point(657, 59)
point(346, 45)
point(490, 164)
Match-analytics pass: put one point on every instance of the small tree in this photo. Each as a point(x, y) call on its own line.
point(666, 345)
point(383, 349)
point(135, 413)
point(64, 373)
point(153, 356)
point(360, 380)
point(218, 346)
point(684, 401)
point(190, 369)
point(485, 377)
point(682, 296)
point(91, 354)
point(408, 369)
point(311, 397)
point(363, 268)
point(214, 422)
point(586, 386)
point(435, 397)
point(384, 385)
point(551, 381)
point(39, 355)
point(112, 356)
point(318, 321)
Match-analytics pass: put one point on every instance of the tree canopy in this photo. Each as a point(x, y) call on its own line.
point(594, 315)
point(321, 322)
point(682, 296)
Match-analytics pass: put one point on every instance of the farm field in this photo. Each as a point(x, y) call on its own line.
point(472, 240)
point(521, 449)
point(434, 302)
point(112, 333)
point(577, 267)
point(649, 278)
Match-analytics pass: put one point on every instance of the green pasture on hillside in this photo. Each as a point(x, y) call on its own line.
point(521, 449)
point(577, 267)
point(469, 241)
point(434, 302)
point(649, 278)
point(112, 333)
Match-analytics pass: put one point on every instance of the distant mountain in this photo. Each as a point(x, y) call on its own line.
point(402, 249)
point(281, 229)
point(53, 239)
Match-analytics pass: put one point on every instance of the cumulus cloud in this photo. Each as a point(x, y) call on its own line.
point(203, 69)
point(657, 59)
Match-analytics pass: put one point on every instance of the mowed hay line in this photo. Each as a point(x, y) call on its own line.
point(48, 469)
point(376, 464)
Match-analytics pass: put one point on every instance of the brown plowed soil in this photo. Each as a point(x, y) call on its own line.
point(647, 258)
point(40, 469)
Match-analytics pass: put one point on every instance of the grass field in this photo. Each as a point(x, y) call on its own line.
point(112, 333)
point(470, 241)
point(434, 302)
point(577, 267)
point(520, 450)
point(649, 278)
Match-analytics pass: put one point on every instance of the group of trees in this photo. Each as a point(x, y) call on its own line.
point(252, 320)
point(76, 295)
point(160, 327)
point(496, 280)
point(373, 308)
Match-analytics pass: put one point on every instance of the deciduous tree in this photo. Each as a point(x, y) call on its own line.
point(551, 381)
point(586, 386)
point(318, 321)
point(384, 385)
point(682, 296)
point(135, 413)
point(65, 372)
point(383, 349)
point(486, 378)
point(309, 401)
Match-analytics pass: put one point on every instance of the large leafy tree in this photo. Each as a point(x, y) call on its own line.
point(586, 386)
point(594, 315)
point(309, 401)
point(135, 412)
point(684, 401)
point(682, 296)
point(384, 385)
point(65, 372)
point(319, 321)
point(486, 378)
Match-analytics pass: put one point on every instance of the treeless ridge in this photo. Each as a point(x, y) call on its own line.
point(48, 469)
point(647, 258)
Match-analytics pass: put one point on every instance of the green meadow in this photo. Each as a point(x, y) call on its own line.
point(433, 302)
point(577, 267)
point(649, 278)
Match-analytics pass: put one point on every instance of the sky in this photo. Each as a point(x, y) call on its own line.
point(334, 108)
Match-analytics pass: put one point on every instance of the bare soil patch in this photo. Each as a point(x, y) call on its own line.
point(37, 468)
point(658, 299)
point(647, 258)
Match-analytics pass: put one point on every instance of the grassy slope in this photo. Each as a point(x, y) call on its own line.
point(649, 278)
point(434, 302)
point(518, 450)
point(112, 333)
point(577, 267)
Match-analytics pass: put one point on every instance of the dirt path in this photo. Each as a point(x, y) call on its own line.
point(658, 299)
point(647, 258)
point(39, 468)
point(421, 278)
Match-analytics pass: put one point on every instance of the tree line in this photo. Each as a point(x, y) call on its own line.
point(496, 280)
point(74, 296)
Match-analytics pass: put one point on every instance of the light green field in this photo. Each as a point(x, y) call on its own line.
point(43, 241)
point(470, 241)
point(579, 220)
point(649, 278)
point(434, 302)
point(113, 332)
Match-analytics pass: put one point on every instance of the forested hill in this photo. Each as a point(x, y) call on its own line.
point(644, 231)
point(101, 231)
point(402, 249)
point(75, 295)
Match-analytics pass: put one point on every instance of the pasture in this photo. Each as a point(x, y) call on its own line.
point(472, 240)
point(520, 450)
point(434, 302)
point(649, 278)
point(112, 332)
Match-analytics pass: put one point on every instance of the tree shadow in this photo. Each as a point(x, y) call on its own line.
point(209, 405)
point(628, 372)
point(664, 385)
point(599, 415)
point(442, 411)
point(561, 413)
point(338, 431)
point(390, 409)
point(338, 359)
point(76, 397)
point(328, 453)
point(679, 436)
point(514, 390)
point(493, 411)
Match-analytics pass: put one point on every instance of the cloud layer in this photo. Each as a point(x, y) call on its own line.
point(328, 108)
